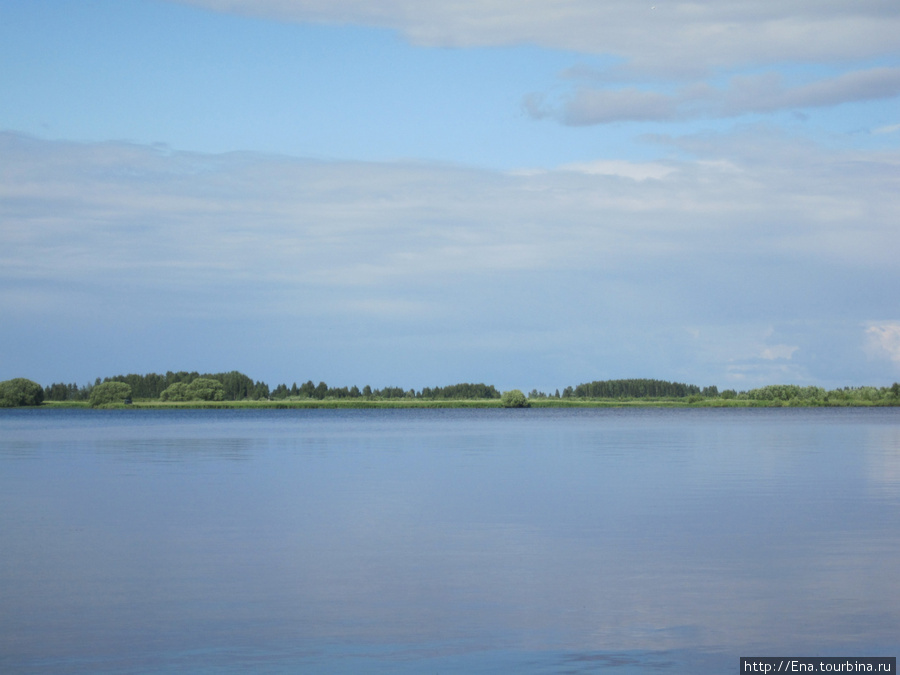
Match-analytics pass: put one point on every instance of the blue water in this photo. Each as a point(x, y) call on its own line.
point(446, 541)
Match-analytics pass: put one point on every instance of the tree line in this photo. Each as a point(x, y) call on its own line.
point(236, 386)
point(321, 391)
point(639, 389)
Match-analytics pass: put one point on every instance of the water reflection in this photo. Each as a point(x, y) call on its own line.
point(178, 449)
point(537, 541)
point(883, 462)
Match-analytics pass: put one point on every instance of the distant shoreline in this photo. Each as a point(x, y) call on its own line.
point(466, 403)
point(235, 390)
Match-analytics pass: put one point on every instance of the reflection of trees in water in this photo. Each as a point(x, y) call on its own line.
point(177, 449)
point(19, 448)
point(883, 462)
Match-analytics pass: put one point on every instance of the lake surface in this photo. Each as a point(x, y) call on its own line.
point(446, 541)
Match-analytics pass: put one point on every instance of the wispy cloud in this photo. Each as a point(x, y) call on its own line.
point(884, 340)
point(665, 59)
point(632, 170)
point(87, 208)
point(620, 255)
point(764, 93)
point(776, 352)
point(662, 36)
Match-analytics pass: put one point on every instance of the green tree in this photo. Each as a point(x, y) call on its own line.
point(206, 389)
point(634, 389)
point(111, 392)
point(199, 389)
point(260, 390)
point(177, 391)
point(20, 391)
point(463, 390)
point(58, 391)
point(513, 399)
point(237, 385)
point(775, 392)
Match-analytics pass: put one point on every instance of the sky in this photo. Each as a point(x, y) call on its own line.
point(527, 193)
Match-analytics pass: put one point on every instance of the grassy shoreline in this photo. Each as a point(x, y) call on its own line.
point(468, 403)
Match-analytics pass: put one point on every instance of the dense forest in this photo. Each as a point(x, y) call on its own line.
point(639, 389)
point(235, 386)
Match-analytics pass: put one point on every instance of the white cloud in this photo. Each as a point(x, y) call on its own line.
point(884, 340)
point(673, 37)
point(745, 353)
point(775, 352)
point(633, 170)
point(80, 210)
point(648, 44)
point(748, 376)
point(620, 255)
point(748, 94)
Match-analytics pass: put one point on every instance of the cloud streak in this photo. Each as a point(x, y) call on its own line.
point(884, 340)
point(619, 256)
point(645, 43)
point(764, 93)
point(86, 208)
point(657, 37)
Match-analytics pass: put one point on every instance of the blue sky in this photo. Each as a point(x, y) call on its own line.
point(532, 194)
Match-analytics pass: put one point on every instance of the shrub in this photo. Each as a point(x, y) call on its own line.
point(108, 393)
point(200, 389)
point(177, 391)
point(513, 399)
point(205, 389)
point(20, 391)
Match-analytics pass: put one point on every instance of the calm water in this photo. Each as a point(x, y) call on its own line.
point(528, 541)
